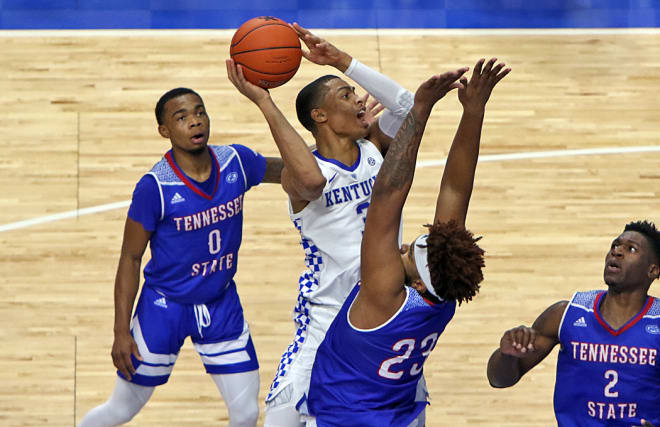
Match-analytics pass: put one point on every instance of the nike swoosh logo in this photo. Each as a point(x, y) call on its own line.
point(333, 177)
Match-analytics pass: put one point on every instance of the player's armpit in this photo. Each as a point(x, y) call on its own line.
point(273, 174)
point(378, 138)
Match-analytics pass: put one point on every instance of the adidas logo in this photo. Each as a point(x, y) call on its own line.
point(177, 198)
point(580, 322)
point(160, 302)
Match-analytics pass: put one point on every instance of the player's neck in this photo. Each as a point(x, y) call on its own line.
point(618, 308)
point(196, 165)
point(341, 148)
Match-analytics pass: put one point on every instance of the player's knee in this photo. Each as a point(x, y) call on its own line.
point(123, 415)
point(244, 414)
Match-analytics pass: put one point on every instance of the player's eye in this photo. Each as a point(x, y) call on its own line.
point(633, 249)
point(180, 118)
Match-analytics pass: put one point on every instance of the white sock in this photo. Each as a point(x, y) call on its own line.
point(125, 402)
point(240, 392)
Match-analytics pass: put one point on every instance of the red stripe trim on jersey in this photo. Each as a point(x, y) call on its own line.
point(625, 327)
point(189, 184)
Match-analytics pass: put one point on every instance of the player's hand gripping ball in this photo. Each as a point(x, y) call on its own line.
point(268, 50)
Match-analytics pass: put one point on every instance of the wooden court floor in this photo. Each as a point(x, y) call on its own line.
point(78, 131)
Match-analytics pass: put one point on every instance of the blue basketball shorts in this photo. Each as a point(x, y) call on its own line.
point(217, 329)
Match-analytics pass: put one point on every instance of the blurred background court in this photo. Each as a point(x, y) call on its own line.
point(569, 155)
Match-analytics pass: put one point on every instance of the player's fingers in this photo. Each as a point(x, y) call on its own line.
point(489, 65)
point(455, 85)
point(501, 75)
point(477, 68)
point(518, 338)
point(305, 54)
point(375, 109)
point(239, 75)
point(464, 82)
point(646, 423)
point(230, 69)
point(496, 70)
point(136, 352)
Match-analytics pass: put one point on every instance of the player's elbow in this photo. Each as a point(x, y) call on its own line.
point(311, 187)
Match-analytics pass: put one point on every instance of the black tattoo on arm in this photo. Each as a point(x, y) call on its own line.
point(398, 166)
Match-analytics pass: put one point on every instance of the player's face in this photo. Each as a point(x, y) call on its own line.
point(345, 110)
point(410, 268)
point(628, 264)
point(185, 123)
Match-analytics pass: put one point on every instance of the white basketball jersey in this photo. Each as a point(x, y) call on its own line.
point(331, 227)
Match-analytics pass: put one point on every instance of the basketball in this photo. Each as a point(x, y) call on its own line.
point(268, 49)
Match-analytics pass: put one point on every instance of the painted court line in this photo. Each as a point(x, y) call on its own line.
point(425, 164)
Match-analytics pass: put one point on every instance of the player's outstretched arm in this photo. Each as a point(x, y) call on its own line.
point(458, 176)
point(381, 270)
point(395, 98)
point(126, 287)
point(302, 179)
point(522, 348)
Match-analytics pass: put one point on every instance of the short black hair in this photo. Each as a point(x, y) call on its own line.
point(455, 261)
point(170, 94)
point(310, 98)
point(648, 229)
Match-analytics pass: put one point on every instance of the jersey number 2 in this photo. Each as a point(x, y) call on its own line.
point(613, 376)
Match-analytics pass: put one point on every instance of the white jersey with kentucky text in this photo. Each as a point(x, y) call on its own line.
point(331, 229)
point(606, 376)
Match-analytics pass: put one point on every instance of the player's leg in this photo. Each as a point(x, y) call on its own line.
point(222, 338)
point(240, 392)
point(125, 402)
point(153, 327)
point(286, 403)
point(281, 410)
point(421, 396)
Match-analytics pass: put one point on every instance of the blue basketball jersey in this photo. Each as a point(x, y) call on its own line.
point(195, 234)
point(369, 377)
point(606, 376)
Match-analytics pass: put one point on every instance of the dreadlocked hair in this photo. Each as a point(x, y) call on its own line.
point(455, 261)
point(648, 229)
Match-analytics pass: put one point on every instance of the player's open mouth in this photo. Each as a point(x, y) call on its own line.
point(198, 139)
point(613, 267)
point(361, 116)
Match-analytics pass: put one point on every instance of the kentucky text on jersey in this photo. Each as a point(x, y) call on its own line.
point(347, 193)
point(209, 216)
point(612, 353)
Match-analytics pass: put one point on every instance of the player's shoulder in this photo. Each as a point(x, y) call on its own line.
point(654, 310)
point(368, 146)
point(224, 153)
point(585, 299)
point(162, 172)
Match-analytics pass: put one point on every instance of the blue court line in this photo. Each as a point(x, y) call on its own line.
point(425, 164)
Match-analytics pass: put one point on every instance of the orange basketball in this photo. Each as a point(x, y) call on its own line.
point(268, 50)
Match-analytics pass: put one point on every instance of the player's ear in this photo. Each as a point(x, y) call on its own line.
point(654, 271)
point(164, 131)
point(319, 116)
point(418, 286)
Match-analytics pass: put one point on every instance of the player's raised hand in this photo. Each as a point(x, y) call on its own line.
point(477, 90)
point(321, 51)
point(518, 342)
point(253, 92)
point(432, 90)
point(372, 109)
point(645, 423)
point(122, 349)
